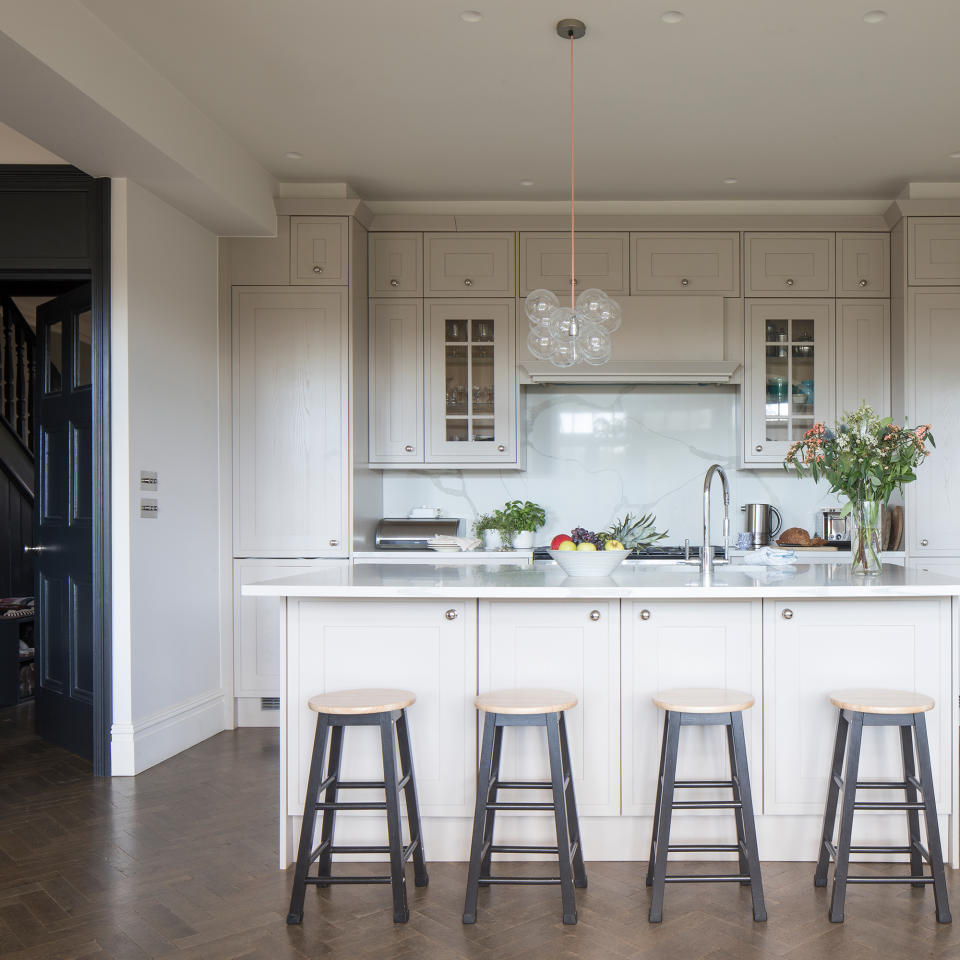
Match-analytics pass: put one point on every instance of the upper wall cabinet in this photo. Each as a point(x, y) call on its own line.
point(601, 262)
point(934, 251)
point(470, 264)
point(863, 355)
point(692, 263)
point(318, 250)
point(789, 264)
point(863, 265)
point(396, 265)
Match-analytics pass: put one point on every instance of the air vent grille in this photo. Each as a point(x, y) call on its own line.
point(269, 703)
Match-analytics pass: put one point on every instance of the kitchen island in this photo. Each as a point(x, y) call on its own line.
point(788, 635)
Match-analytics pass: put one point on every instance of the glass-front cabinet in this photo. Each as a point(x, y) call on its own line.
point(789, 383)
point(471, 387)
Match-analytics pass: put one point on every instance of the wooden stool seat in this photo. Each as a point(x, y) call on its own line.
point(526, 700)
point(703, 700)
point(871, 700)
point(353, 702)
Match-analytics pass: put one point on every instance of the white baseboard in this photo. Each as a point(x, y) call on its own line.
point(137, 746)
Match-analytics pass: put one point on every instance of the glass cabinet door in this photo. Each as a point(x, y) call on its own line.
point(790, 348)
point(471, 376)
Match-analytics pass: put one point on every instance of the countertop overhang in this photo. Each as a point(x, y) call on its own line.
point(727, 582)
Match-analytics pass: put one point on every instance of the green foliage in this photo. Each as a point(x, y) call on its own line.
point(524, 515)
point(635, 534)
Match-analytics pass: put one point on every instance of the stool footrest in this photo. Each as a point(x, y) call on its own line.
point(352, 806)
point(706, 805)
point(522, 881)
point(703, 784)
point(521, 784)
point(713, 878)
point(516, 848)
point(332, 781)
point(519, 805)
point(889, 784)
point(861, 879)
point(886, 805)
point(704, 848)
point(323, 881)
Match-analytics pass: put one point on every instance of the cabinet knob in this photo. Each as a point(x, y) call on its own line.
point(451, 614)
point(334, 543)
point(468, 282)
point(862, 283)
point(924, 543)
point(787, 614)
point(684, 282)
point(575, 282)
point(408, 448)
point(394, 282)
point(317, 268)
point(501, 448)
point(758, 448)
point(644, 614)
point(29, 549)
point(788, 282)
point(594, 615)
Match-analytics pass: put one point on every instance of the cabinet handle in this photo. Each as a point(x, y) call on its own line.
point(317, 268)
point(408, 448)
point(758, 448)
point(394, 282)
point(787, 614)
point(684, 282)
point(924, 543)
point(788, 282)
point(334, 543)
point(644, 614)
point(451, 614)
point(594, 615)
point(468, 282)
point(862, 283)
point(501, 448)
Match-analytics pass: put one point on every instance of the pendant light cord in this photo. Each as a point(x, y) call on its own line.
point(573, 261)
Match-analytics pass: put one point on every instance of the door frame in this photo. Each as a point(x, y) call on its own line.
point(61, 217)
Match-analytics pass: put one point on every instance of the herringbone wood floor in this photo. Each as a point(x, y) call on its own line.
point(180, 863)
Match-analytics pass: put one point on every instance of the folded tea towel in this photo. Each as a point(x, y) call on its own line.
point(770, 557)
point(443, 542)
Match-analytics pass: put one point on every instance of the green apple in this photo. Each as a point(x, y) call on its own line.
point(614, 545)
point(567, 545)
point(586, 546)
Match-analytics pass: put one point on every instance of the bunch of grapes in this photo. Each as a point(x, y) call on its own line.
point(582, 535)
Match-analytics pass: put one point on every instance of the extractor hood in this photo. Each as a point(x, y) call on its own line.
point(677, 339)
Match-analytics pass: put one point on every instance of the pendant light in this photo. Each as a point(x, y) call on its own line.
point(581, 332)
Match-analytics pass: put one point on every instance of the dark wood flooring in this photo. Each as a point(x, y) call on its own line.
point(180, 862)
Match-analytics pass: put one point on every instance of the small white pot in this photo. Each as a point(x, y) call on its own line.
point(492, 540)
point(523, 540)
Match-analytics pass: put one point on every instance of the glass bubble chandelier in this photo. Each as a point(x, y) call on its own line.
point(581, 332)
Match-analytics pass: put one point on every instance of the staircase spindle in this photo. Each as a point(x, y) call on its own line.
point(7, 370)
point(31, 378)
point(21, 413)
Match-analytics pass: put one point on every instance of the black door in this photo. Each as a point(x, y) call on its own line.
point(63, 541)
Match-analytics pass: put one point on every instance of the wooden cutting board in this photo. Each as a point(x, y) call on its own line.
point(896, 528)
point(808, 548)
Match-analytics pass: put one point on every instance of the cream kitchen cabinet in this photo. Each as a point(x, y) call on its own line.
point(319, 251)
point(863, 265)
point(602, 261)
point(811, 647)
point(677, 644)
point(568, 645)
point(933, 251)
point(396, 381)
point(690, 263)
point(863, 355)
point(396, 265)
point(789, 264)
point(290, 444)
point(789, 369)
point(427, 646)
point(470, 264)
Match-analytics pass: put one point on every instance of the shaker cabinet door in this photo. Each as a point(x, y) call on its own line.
point(396, 265)
point(863, 265)
point(789, 264)
point(318, 251)
point(470, 264)
point(691, 263)
point(933, 251)
point(863, 355)
point(601, 261)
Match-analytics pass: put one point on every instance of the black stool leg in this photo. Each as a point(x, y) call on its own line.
point(573, 819)
point(656, 806)
point(479, 818)
point(833, 795)
point(394, 830)
point(325, 860)
point(737, 811)
point(309, 820)
point(913, 816)
point(850, 774)
point(492, 794)
point(560, 816)
point(749, 825)
point(662, 828)
point(421, 879)
point(930, 816)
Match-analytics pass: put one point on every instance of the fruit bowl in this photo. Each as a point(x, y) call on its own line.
point(589, 563)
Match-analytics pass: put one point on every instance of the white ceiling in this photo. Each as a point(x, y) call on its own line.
point(404, 100)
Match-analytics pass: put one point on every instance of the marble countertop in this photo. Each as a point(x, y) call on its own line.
point(734, 581)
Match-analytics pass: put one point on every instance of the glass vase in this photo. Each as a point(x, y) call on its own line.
point(865, 539)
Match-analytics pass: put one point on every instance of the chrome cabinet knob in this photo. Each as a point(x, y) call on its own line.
point(787, 614)
point(317, 268)
point(684, 282)
point(501, 448)
point(451, 614)
point(923, 543)
point(594, 615)
point(394, 282)
point(758, 448)
point(862, 283)
point(644, 614)
point(408, 448)
point(334, 543)
point(788, 282)
point(575, 282)
point(468, 282)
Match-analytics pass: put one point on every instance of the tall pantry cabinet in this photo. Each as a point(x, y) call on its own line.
point(295, 316)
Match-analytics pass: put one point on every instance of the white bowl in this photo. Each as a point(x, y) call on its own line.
point(589, 563)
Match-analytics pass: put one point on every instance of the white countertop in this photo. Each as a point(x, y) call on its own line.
point(735, 581)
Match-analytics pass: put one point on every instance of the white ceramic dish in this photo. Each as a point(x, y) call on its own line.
point(589, 563)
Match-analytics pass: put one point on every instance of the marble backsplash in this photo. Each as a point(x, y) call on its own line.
point(594, 453)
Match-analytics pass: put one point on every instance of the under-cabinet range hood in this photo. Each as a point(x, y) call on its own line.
point(679, 339)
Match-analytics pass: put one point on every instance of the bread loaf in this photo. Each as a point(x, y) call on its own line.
point(795, 537)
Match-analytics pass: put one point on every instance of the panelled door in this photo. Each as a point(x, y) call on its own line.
point(63, 531)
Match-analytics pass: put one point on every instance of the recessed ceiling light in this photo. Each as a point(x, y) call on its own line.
point(471, 16)
point(731, 180)
point(875, 16)
point(671, 16)
point(293, 155)
point(526, 183)
point(955, 155)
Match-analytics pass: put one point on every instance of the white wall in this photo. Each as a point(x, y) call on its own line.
point(168, 682)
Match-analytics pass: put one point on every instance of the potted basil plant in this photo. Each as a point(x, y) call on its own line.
point(525, 518)
point(494, 529)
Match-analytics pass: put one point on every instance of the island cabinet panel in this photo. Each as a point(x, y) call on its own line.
point(426, 646)
point(812, 647)
point(568, 645)
point(668, 644)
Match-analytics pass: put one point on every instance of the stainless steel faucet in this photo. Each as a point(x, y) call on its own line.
point(706, 551)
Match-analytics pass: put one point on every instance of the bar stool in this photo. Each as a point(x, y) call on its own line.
point(385, 709)
point(881, 708)
point(702, 707)
point(525, 708)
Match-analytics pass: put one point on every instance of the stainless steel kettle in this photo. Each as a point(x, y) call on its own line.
point(758, 524)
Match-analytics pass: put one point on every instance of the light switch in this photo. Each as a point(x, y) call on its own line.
point(148, 480)
point(149, 509)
